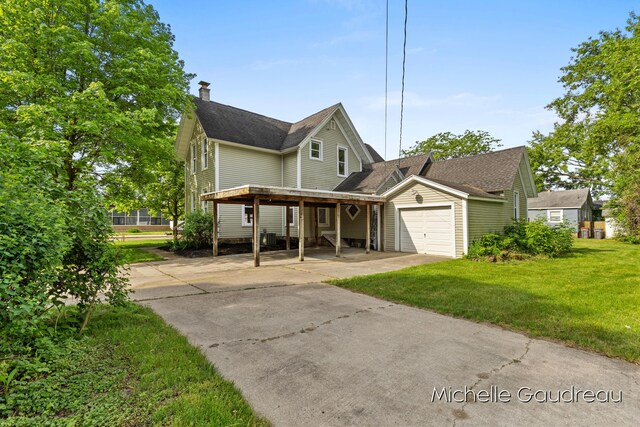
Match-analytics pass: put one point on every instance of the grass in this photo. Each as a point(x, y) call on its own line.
point(588, 299)
point(133, 250)
point(130, 368)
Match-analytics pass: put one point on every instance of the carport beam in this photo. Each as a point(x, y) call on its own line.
point(301, 230)
point(256, 232)
point(215, 228)
point(338, 238)
point(368, 238)
point(288, 227)
point(381, 231)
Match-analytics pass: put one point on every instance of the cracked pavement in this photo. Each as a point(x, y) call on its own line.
point(307, 353)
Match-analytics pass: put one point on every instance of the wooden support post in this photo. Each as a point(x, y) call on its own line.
point(316, 224)
point(301, 230)
point(256, 232)
point(338, 237)
point(215, 228)
point(381, 231)
point(288, 220)
point(368, 238)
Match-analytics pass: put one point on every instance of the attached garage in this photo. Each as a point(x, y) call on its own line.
point(428, 230)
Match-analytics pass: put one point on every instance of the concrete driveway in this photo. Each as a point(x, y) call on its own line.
point(315, 354)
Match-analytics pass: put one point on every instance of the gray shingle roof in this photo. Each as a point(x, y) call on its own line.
point(559, 199)
point(374, 154)
point(375, 174)
point(490, 172)
point(233, 124)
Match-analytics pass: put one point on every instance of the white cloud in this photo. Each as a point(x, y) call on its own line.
point(415, 100)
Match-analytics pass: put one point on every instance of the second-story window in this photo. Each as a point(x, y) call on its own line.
point(205, 154)
point(342, 161)
point(315, 149)
point(194, 159)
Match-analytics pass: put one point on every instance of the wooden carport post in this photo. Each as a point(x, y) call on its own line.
point(368, 238)
point(256, 232)
point(215, 228)
point(381, 231)
point(338, 238)
point(288, 219)
point(301, 230)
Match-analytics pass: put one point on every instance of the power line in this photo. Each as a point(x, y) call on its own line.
point(404, 59)
point(386, 79)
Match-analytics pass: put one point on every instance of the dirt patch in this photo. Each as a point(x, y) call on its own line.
point(231, 249)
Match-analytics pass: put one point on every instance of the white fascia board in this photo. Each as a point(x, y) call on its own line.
point(185, 130)
point(349, 142)
point(317, 129)
point(355, 132)
point(419, 179)
point(530, 174)
point(465, 226)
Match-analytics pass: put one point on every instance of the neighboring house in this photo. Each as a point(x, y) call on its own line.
point(141, 219)
point(235, 157)
point(556, 207)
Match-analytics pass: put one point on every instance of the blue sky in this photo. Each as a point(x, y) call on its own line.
point(479, 65)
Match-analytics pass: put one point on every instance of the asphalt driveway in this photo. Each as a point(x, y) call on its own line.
point(315, 354)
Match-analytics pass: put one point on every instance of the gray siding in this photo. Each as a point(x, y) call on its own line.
point(289, 172)
point(323, 174)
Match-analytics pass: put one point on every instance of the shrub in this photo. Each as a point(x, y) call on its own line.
point(522, 240)
point(198, 230)
point(133, 230)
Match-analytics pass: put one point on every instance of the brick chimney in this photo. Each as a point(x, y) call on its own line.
point(204, 90)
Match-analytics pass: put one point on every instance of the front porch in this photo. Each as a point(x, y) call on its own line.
point(257, 196)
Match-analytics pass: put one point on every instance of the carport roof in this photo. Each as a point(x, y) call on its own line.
point(282, 196)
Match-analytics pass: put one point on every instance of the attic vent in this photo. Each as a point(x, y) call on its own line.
point(332, 124)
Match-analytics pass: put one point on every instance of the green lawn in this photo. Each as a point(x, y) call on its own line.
point(133, 250)
point(129, 369)
point(589, 299)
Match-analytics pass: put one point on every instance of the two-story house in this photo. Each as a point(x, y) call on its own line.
point(237, 159)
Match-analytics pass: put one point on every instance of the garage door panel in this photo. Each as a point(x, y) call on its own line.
point(426, 230)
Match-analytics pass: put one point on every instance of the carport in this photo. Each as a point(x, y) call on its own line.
point(282, 196)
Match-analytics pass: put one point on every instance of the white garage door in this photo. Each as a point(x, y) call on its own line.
point(427, 231)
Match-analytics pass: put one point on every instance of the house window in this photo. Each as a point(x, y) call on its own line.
point(292, 212)
point(205, 154)
point(193, 201)
point(323, 217)
point(204, 204)
point(554, 216)
point(247, 215)
point(342, 161)
point(516, 205)
point(315, 149)
point(194, 159)
point(353, 211)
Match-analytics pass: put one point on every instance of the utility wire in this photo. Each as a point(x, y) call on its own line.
point(404, 59)
point(386, 79)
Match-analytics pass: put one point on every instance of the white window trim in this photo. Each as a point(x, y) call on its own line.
point(346, 161)
point(194, 159)
point(349, 213)
point(242, 216)
point(205, 155)
point(326, 217)
point(319, 142)
point(555, 210)
point(516, 205)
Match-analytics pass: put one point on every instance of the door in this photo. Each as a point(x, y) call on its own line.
point(427, 231)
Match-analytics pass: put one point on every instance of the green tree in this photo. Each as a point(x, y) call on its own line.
point(446, 145)
point(166, 193)
point(96, 86)
point(599, 135)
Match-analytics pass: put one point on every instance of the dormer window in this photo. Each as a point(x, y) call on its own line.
point(315, 149)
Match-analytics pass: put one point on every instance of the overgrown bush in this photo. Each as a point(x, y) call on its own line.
point(133, 230)
point(522, 240)
point(198, 230)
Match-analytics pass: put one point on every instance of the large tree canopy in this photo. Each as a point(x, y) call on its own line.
point(95, 88)
point(446, 145)
point(95, 82)
point(597, 144)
